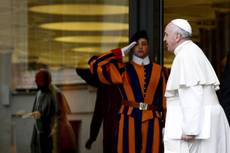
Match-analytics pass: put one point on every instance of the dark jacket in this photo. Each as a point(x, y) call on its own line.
point(225, 89)
point(106, 109)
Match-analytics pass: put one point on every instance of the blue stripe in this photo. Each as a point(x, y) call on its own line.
point(150, 137)
point(120, 69)
point(106, 74)
point(148, 71)
point(134, 81)
point(137, 114)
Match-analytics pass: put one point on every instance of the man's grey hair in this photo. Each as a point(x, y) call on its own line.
point(184, 34)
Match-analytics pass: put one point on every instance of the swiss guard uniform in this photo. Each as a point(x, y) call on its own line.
point(142, 86)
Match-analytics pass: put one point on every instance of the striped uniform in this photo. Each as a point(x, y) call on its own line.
point(139, 130)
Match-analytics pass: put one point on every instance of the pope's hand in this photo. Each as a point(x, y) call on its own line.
point(127, 49)
point(188, 137)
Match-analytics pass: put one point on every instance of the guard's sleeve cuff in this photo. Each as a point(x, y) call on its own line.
point(118, 54)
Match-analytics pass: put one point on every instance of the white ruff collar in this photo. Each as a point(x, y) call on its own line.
point(141, 61)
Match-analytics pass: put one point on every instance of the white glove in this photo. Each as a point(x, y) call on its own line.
point(125, 50)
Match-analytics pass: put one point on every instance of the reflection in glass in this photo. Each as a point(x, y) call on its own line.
point(48, 33)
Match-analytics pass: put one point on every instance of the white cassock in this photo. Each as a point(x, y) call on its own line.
point(192, 105)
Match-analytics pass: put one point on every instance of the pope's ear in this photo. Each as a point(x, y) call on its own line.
point(178, 37)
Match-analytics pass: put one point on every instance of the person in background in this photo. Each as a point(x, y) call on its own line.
point(108, 101)
point(52, 133)
point(195, 121)
point(44, 111)
point(63, 135)
point(225, 88)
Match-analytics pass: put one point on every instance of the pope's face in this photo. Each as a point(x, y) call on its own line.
point(141, 48)
point(170, 38)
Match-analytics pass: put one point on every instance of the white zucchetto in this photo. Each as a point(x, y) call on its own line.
point(183, 24)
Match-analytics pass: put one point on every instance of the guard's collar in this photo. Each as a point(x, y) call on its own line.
point(141, 61)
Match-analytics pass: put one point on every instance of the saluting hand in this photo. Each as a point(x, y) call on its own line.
point(127, 49)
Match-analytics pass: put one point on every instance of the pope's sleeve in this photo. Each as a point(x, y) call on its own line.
point(191, 104)
point(107, 67)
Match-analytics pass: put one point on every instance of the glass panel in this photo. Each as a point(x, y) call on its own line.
point(62, 35)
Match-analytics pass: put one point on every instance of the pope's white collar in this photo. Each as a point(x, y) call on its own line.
point(141, 61)
point(178, 48)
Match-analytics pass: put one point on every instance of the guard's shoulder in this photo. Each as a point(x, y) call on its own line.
point(157, 65)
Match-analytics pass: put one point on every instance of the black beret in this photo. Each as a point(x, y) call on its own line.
point(138, 35)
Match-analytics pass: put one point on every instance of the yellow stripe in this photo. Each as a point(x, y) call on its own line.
point(154, 79)
point(131, 136)
point(101, 76)
point(115, 74)
point(120, 135)
point(156, 138)
point(144, 130)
